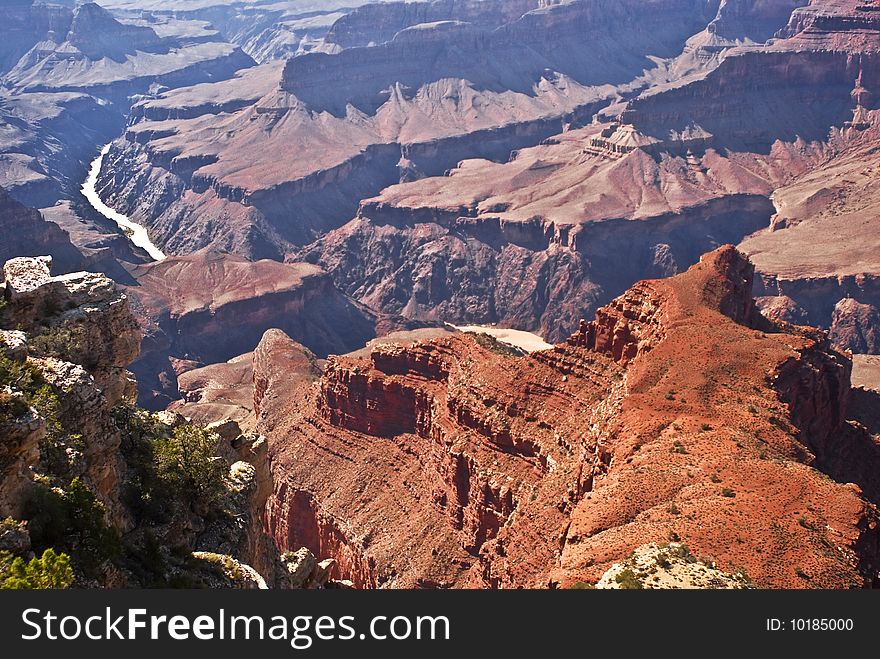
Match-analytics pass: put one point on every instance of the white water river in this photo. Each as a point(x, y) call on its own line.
point(135, 232)
point(517, 338)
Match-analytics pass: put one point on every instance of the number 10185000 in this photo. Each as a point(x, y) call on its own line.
point(811, 625)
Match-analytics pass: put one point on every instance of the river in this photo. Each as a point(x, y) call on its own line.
point(136, 233)
point(517, 338)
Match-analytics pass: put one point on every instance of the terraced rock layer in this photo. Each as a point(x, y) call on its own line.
point(678, 414)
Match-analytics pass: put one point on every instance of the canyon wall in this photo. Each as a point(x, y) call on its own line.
point(461, 266)
point(543, 470)
point(27, 233)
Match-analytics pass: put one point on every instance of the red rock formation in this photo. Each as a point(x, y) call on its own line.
point(451, 463)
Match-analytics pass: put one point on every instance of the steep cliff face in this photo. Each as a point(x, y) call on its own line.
point(846, 305)
point(444, 441)
point(84, 337)
point(666, 417)
point(856, 327)
point(378, 23)
point(98, 53)
point(449, 46)
point(27, 233)
point(412, 254)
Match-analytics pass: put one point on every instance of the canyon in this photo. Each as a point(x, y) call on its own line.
point(481, 294)
point(722, 123)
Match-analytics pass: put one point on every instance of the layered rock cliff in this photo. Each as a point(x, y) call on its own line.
point(775, 136)
point(678, 414)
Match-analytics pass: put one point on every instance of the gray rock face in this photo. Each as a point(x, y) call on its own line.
point(19, 449)
point(97, 34)
point(77, 330)
point(13, 344)
point(82, 315)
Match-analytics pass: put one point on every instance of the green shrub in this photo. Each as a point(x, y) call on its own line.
point(581, 585)
point(727, 492)
point(53, 447)
point(628, 580)
point(66, 342)
point(12, 407)
point(27, 379)
point(21, 376)
point(186, 462)
point(146, 561)
point(683, 552)
point(73, 520)
point(143, 491)
point(51, 570)
point(167, 467)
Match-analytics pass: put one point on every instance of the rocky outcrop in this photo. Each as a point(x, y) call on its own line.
point(635, 323)
point(781, 308)
point(20, 449)
point(219, 392)
point(669, 566)
point(856, 327)
point(99, 479)
point(82, 317)
point(82, 337)
point(845, 305)
point(96, 34)
point(545, 470)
